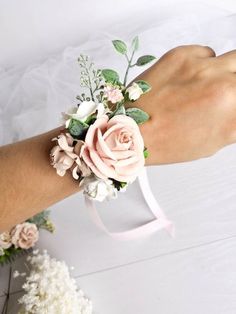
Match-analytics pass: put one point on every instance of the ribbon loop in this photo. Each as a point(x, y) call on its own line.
point(158, 223)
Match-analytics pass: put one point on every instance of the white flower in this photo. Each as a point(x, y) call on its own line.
point(2, 251)
point(85, 109)
point(134, 91)
point(99, 190)
point(50, 289)
point(5, 240)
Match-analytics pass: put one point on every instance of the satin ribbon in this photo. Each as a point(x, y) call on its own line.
point(146, 229)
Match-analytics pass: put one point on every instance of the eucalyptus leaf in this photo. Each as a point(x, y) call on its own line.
point(110, 75)
point(137, 114)
point(120, 46)
point(145, 87)
point(77, 128)
point(145, 60)
point(40, 218)
point(135, 43)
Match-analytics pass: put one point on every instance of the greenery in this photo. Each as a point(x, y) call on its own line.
point(121, 47)
point(91, 79)
point(110, 76)
point(78, 128)
point(145, 87)
point(10, 255)
point(144, 60)
point(118, 184)
point(137, 114)
point(145, 153)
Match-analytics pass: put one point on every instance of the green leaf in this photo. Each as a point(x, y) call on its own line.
point(137, 114)
point(120, 46)
point(110, 76)
point(40, 219)
point(119, 184)
point(145, 87)
point(146, 153)
point(11, 254)
point(144, 60)
point(135, 43)
point(77, 128)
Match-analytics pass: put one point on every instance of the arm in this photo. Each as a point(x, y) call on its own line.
point(29, 184)
point(192, 106)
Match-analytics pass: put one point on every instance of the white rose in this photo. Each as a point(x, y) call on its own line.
point(85, 109)
point(100, 190)
point(134, 91)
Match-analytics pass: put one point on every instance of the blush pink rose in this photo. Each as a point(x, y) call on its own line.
point(24, 235)
point(114, 148)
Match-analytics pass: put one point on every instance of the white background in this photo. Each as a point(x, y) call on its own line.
point(193, 273)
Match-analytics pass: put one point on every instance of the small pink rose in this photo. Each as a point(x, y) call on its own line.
point(60, 160)
point(64, 156)
point(113, 94)
point(81, 169)
point(114, 148)
point(24, 235)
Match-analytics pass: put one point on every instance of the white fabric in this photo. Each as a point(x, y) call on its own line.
point(32, 99)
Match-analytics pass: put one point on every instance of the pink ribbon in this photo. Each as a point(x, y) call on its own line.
point(158, 223)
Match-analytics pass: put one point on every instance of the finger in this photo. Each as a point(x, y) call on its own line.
point(227, 60)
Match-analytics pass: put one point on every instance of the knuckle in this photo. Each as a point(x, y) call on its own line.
point(211, 50)
point(178, 53)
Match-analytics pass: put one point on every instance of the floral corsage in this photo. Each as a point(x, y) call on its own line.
point(23, 237)
point(101, 143)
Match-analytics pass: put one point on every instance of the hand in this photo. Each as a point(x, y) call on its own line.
point(192, 104)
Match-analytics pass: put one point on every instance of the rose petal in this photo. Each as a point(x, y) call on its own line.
point(101, 166)
point(102, 146)
point(62, 142)
point(90, 164)
point(99, 123)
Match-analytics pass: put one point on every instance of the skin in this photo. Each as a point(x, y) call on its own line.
point(192, 105)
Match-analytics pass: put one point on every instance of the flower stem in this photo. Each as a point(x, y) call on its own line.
point(128, 67)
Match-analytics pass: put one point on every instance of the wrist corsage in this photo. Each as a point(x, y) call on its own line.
point(101, 144)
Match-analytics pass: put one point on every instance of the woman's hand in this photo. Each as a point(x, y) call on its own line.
point(192, 104)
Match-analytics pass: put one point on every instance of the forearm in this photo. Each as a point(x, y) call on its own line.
point(29, 184)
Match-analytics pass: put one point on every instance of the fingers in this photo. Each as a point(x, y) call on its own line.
point(227, 60)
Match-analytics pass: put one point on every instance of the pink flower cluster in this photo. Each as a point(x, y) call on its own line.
point(113, 94)
point(22, 236)
point(65, 156)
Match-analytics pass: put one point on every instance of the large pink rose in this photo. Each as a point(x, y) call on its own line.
point(114, 148)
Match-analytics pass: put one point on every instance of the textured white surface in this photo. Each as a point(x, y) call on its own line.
point(193, 273)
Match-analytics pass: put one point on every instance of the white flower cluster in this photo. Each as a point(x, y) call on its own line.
point(50, 289)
